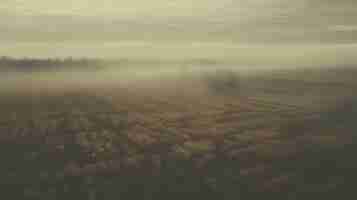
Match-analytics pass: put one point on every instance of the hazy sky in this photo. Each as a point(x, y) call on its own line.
point(112, 8)
point(163, 22)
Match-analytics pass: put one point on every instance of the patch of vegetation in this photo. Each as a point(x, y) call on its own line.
point(84, 146)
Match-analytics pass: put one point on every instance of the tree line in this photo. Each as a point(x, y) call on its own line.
point(33, 64)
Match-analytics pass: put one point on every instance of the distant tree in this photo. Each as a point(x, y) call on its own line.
point(225, 82)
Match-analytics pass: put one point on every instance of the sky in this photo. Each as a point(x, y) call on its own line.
point(91, 27)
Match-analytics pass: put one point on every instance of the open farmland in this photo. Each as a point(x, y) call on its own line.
point(220, 135)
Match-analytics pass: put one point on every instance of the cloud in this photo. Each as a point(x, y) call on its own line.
point(343, 28)
point(241, 21)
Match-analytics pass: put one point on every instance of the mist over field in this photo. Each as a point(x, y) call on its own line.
point(82, 128)
point(178, 99)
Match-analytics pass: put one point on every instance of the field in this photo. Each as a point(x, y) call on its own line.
point(216, 134)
